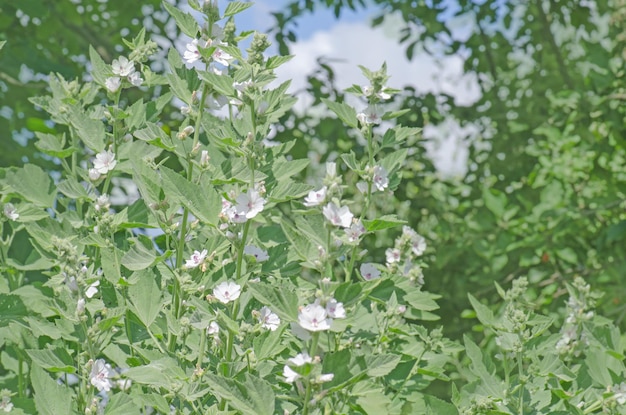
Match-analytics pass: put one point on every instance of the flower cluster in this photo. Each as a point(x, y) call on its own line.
point(102, 164)
point(407, 248)
point(247, 206)
point(215, 43)
point(123, 68)
point(580, 305)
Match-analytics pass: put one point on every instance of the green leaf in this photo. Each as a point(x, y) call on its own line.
point(2, 43)
point(495, 201)
point(53, 145)
point(345, 112)
point(121, 404)
point(185, 22)
point(483, 313)
point(201, 199)
point(53, 360)
point(33, 184)
point(282, 300)
point(111, 264)
point(382, 364)
point(283, 168)
point(161, 373)
point(99, 69)
point(139, 256)
point(236, 7)
point(567, 254)
point(50, 397)
point(490, 383)
point(12, 308)
point(252, 396)
point(154, 135)
point(90, 131)
point(267, 345)
point(145, 296)
point(222, 83)
point(71, 188)
point(421, 300)
point(274, 62)
point(384, 222)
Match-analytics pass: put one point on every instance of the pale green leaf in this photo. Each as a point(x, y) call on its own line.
point(53, 360)
point(236, 7)
point(50, 397)
point(33, 184)
point(252, 396)
point(346, 113)
point(201, 199)
point(145, 296)
point(185, 22)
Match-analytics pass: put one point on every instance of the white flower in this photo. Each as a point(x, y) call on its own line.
point(135, 78)
point(268, 319)
point(300, 360)
point(338, 216)
point(370, 115)
point(315, 197)
point(213, 328)
point(325, 377)
point(196, 259)
point(380, 178)
point(258, 253)
point(418, 245)
point(222, 57)
point(5, 403)
point(227, 291)
point(102, 203)
point(204, 158)
point(369, 271)
point(335, 309)
point(94, 174)
point(393, 255)
point(355, 231)
point(100, 374)
point(289, 374)
point(368, 90)
point(113, 83)
point(331, 170)
point(10, 212)
point(92, 289)
point(314, 317)
point(122, 66)
point(192, 53)
point(249, 204)
point(104, 162)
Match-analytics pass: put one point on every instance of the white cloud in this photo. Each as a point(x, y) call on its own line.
point(347, 45)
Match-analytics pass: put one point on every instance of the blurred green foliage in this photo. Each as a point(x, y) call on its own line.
point(44, 37)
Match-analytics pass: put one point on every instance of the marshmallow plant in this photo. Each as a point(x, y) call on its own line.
point(180, 262)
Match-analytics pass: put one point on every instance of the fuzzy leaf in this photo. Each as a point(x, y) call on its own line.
point(252, 396)
point(50, 397)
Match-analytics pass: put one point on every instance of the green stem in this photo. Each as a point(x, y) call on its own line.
point(203, 335)
point(20, 377)
point(307, 398)
point(520, 374)
point(242, 245)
